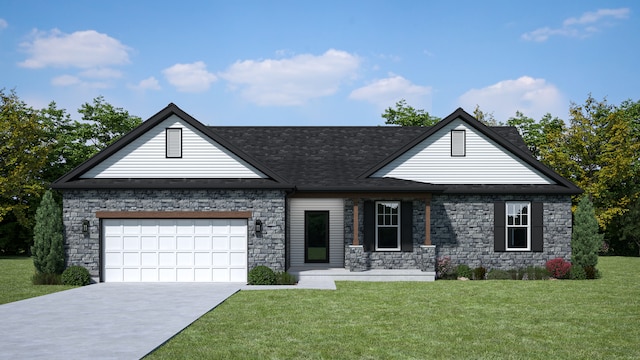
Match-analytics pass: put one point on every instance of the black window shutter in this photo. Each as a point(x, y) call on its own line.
point(406, 226)
point(499, 231)
point(536, 223)
point(369, 236)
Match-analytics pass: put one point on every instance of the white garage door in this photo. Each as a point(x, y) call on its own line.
point(175, 250)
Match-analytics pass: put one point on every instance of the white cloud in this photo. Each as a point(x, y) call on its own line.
point(533, 97)
point(150, 83)
point(581, 27)
point(291, 81)
point(70, 80)
point(386, 92)
point(65, 80)
point(81, 49)
point(101, 73)
point(190, 77)
point(3, 24)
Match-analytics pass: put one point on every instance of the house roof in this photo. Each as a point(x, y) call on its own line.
point(316, 159)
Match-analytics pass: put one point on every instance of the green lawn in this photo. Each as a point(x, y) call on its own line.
point(15, 280)
point(590, 319)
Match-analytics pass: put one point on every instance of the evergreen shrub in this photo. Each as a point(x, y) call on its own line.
point(76, 276)
point(262, 275)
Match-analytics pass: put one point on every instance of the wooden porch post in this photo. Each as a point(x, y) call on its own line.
point(427, 220)
point(356, 241)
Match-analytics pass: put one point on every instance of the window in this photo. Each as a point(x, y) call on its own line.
point(518, 226)
point(388, 225)
point(174, 143)
point(458, 143)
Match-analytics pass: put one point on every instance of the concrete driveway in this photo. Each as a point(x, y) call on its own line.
point(104, 321)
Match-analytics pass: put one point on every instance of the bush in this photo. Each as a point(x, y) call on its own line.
point(578, 273)
point(46, 279)
point(479, 273)
point(444, 268)
point(262, 275)
point(535, 273)
point(497, 274)
point(76, 276)
point(591, 272)
point(284, 278)
point(463, 270)
point(558, 268)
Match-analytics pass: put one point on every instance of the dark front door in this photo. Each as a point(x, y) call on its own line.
point(316, 236)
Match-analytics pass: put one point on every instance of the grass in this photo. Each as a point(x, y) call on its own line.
point(590, 319)
point(15, 280)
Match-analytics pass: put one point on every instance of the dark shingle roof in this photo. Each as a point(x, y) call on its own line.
point(317, 158)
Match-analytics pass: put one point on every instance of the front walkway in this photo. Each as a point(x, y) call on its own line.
point(104, 321)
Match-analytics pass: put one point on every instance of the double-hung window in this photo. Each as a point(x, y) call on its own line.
point(388, 225)
point(518, 225)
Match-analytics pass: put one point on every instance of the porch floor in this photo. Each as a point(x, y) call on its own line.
point(342, 274)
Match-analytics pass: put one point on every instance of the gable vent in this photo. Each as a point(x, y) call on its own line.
point(174, 143)
point(458, 143)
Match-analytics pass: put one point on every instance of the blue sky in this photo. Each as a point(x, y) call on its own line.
point(320, 62)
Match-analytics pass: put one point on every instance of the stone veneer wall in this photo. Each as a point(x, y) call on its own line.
point(384, 259)
point(267, 205)
point(462, 229)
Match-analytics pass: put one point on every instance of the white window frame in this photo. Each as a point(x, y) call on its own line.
point(512, 208)
point(397, 204)
point(169, 146)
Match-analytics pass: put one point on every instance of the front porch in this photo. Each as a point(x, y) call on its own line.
point(342, 274)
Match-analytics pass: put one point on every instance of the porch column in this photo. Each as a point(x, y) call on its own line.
point(427, 220)
point(356, 241)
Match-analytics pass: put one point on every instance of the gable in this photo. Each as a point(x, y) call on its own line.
point(484, 161)
point(146, 157)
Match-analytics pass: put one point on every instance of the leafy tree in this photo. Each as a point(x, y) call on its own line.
point(539, 136)
point(48, 247)
point(485, 118)
point(102, 124)
point(405, 115)
point(586, 239)
point(23, 154)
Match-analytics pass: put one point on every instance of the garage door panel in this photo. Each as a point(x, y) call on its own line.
point(167, 243)
point(169, 250)
point(237, 259)
point(185, 242)
point(202, 242)
point(149, 259)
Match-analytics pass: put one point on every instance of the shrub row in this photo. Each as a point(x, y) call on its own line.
point(263, 275)
point(556, 268)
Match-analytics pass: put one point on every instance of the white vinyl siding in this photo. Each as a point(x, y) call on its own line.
point(174, 250)
point(297, 207)
point(145, 157)
point(485, 162)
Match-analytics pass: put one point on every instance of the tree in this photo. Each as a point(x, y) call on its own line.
point(102, 124)
point(485, 118)
point(405, 115)
point(537, 135)
point(23, 154)
point(586, 239)
point(624, 234)
point(48, 247)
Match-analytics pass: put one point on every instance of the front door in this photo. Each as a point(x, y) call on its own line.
point(316, 236)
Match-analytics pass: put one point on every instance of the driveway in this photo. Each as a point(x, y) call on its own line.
point(104, 321)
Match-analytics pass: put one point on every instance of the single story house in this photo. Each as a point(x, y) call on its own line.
point(175, 200)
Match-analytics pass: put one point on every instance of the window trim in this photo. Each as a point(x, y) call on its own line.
point(398, 225)
point(464, 143)
point(527, 227)
point(166, 136)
